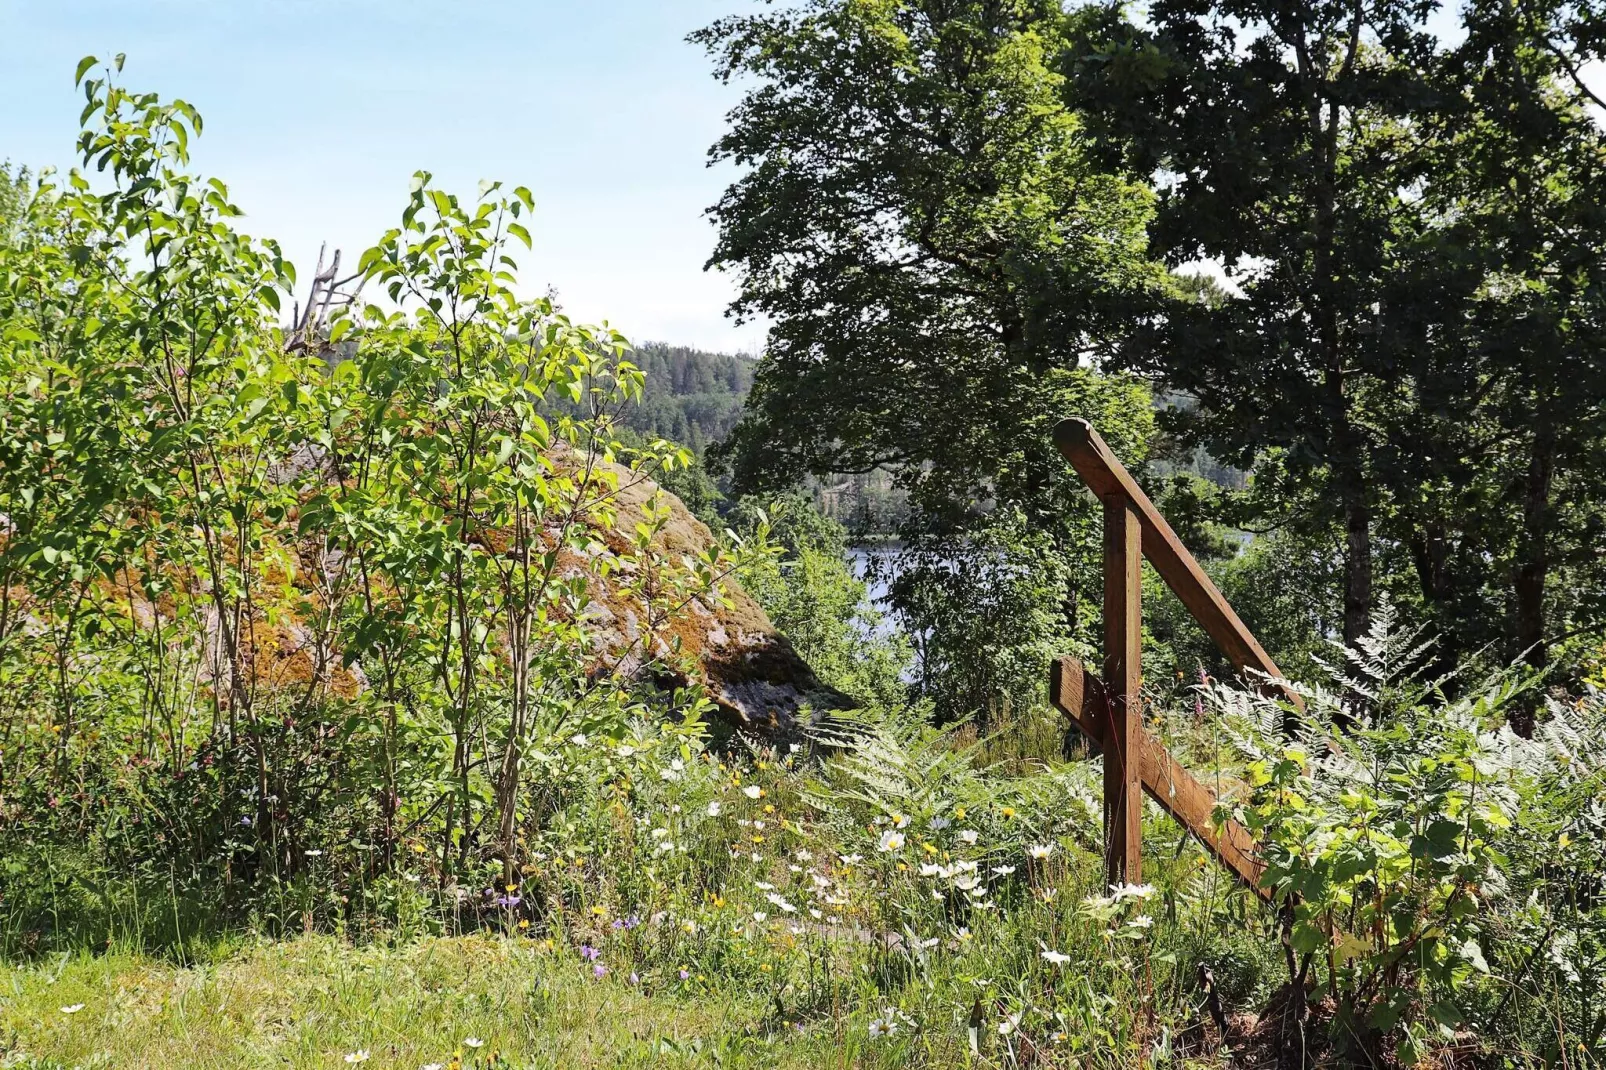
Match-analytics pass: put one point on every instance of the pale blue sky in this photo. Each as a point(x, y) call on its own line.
point(317, 113)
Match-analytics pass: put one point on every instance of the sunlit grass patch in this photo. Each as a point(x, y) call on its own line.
point(314, 1001)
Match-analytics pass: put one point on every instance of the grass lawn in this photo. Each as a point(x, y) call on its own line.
point(314, 1001)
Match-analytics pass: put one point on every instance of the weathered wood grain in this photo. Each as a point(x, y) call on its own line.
point(1123, 673)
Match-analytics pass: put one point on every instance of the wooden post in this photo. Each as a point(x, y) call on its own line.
point(1109, 711)
point(1123, 673)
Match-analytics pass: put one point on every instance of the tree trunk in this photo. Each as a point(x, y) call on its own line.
point(1533, 566)
point(1430, 555)
point(1357, 517)
point(1357, 564)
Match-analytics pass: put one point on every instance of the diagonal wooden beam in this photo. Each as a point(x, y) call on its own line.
point(1104, 474)
point(1080, 695)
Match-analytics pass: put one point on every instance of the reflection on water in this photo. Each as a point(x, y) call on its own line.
point(874, 565)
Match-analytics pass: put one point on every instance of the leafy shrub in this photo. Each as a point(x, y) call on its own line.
point(1406, 849)
point(283, 602)
point(986, 614)
point(813, 598)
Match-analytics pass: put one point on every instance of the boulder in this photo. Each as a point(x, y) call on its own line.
point(753, 675)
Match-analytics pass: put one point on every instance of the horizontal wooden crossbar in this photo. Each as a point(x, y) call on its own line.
point(1080, 695)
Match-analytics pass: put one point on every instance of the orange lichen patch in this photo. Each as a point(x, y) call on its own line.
point(727, 643)
point(615, 541)
point(281, 656)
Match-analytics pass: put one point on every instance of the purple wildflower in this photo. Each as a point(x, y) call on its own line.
point(685, 975)
point(635, 980)
point(509, 901)
point(589, 953)
point(599, 971)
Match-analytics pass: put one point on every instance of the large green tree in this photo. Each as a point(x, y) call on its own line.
point(1284, 137)
point(1413, 228)
point(924, 231)
point(937, 256)
point(1522, 189)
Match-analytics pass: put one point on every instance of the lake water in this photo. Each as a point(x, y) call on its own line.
point(874, 565)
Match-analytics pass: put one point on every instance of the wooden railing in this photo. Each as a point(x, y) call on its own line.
point(1108, 708)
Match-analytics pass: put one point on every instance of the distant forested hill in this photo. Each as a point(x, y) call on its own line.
point(691, 397)
point(695, 398)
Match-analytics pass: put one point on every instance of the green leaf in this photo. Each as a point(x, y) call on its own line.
point(83, 68)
